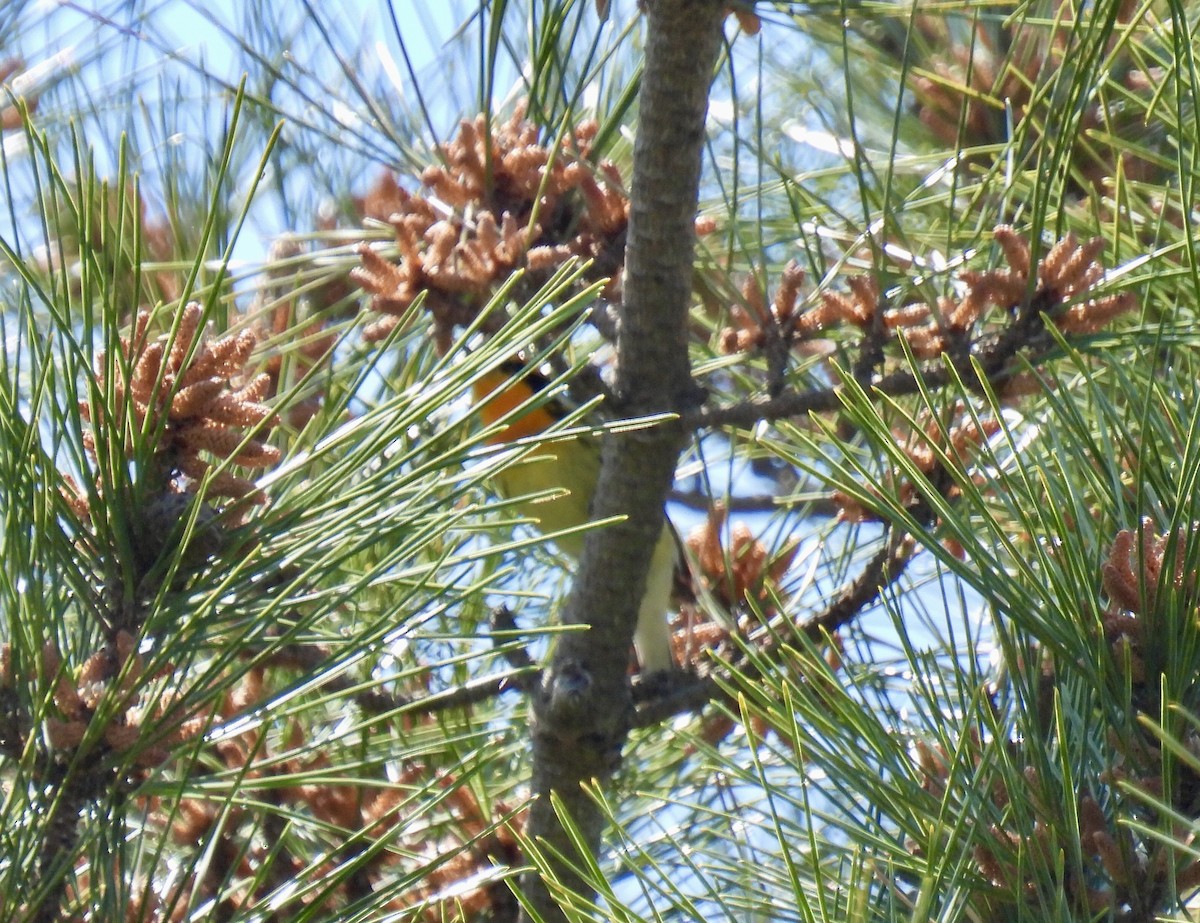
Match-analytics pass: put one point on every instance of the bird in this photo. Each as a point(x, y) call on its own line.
point(570, 466)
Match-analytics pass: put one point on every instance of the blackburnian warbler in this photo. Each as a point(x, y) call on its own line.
point(570, 465)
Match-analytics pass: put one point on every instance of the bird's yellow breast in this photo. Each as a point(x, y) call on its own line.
point(568, 466)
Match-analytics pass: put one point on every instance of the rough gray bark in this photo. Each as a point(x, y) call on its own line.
point(582, 710)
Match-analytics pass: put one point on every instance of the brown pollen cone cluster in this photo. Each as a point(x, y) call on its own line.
point(375, 818)
point(190, 391)
point(10, 116)
point(732, 574)
point(1119, 872)
point(111, 682)
point(756, 321)
point(500, 201)
point(1063, 278)
point(959, 444)
point(1132, 574)
point(1065, 275)
point(967, 91)
point(729, 575)
point(1009, 853)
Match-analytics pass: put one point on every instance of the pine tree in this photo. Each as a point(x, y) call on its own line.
point(886, 304)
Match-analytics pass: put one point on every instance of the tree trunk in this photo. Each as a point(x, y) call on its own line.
point(582, 710)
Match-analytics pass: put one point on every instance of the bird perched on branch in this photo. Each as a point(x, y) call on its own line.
point(571, 466)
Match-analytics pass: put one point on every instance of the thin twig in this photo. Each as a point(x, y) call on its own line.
point(313, 658)
point(994, 354)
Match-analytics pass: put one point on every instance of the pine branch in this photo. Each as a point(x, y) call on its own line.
point(582, 709)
